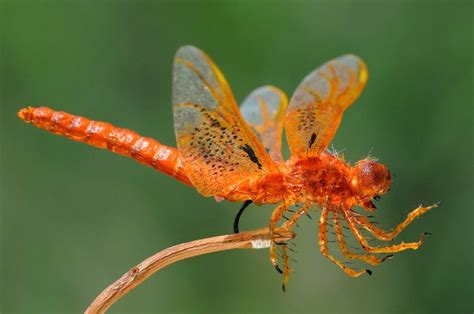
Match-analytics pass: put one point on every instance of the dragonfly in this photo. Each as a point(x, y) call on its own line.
point(236, 154)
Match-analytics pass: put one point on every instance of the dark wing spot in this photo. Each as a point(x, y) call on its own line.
point(251, 154)
point(312, 139)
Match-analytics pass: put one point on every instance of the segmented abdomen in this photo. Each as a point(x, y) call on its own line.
point(104, 135)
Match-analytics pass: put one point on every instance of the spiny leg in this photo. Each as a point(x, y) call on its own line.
point(384, 249)
point(296, 216)
point(286, 268)
point(324, 248)
point(276, 216)
point(370, 259)
point(288, 225)
point(390, 235)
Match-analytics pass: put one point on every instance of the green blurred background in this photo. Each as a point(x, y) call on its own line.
point(74, 218)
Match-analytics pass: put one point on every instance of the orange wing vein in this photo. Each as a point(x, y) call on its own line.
point(218, 148)
point(264, 110)
point(316, 108)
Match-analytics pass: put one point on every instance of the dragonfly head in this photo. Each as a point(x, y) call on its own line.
point(370, 179)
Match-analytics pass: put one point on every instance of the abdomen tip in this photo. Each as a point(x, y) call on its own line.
point(25, 114)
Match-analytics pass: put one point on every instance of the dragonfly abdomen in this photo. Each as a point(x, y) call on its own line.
point(104, 135)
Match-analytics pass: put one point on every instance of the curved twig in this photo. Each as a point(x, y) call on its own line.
point(256, 239)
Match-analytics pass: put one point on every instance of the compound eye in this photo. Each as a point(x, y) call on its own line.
point(375, 173)
point(373, 178)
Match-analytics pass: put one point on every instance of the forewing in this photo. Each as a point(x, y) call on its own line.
point(217, 147)
point(316, 107)
point(264, 110)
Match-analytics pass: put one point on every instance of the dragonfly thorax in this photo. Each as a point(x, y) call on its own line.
point(325, 180)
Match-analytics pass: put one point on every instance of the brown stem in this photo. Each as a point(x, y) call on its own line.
point(135, 276)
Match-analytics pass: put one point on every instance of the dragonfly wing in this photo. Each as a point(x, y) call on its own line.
point(316, 107)
point(218, 148)
point(264, 110)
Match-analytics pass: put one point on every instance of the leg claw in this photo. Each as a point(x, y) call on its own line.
point(387, 258)
point(278, 269)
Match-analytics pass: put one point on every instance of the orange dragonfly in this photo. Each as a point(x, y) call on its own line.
point(236, 154)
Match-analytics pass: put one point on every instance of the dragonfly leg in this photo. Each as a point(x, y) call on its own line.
point(384, 249)
point(370, 259)
point(325, 252)
point(390, 235)
point(287, 225)
point(297, 215)
point(286, 268)
point(275, 218)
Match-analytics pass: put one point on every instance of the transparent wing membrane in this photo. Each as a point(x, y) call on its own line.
point(264, 110)
point(316, 107)
point(218, 148)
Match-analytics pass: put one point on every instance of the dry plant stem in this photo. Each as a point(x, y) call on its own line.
point(256, 239)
